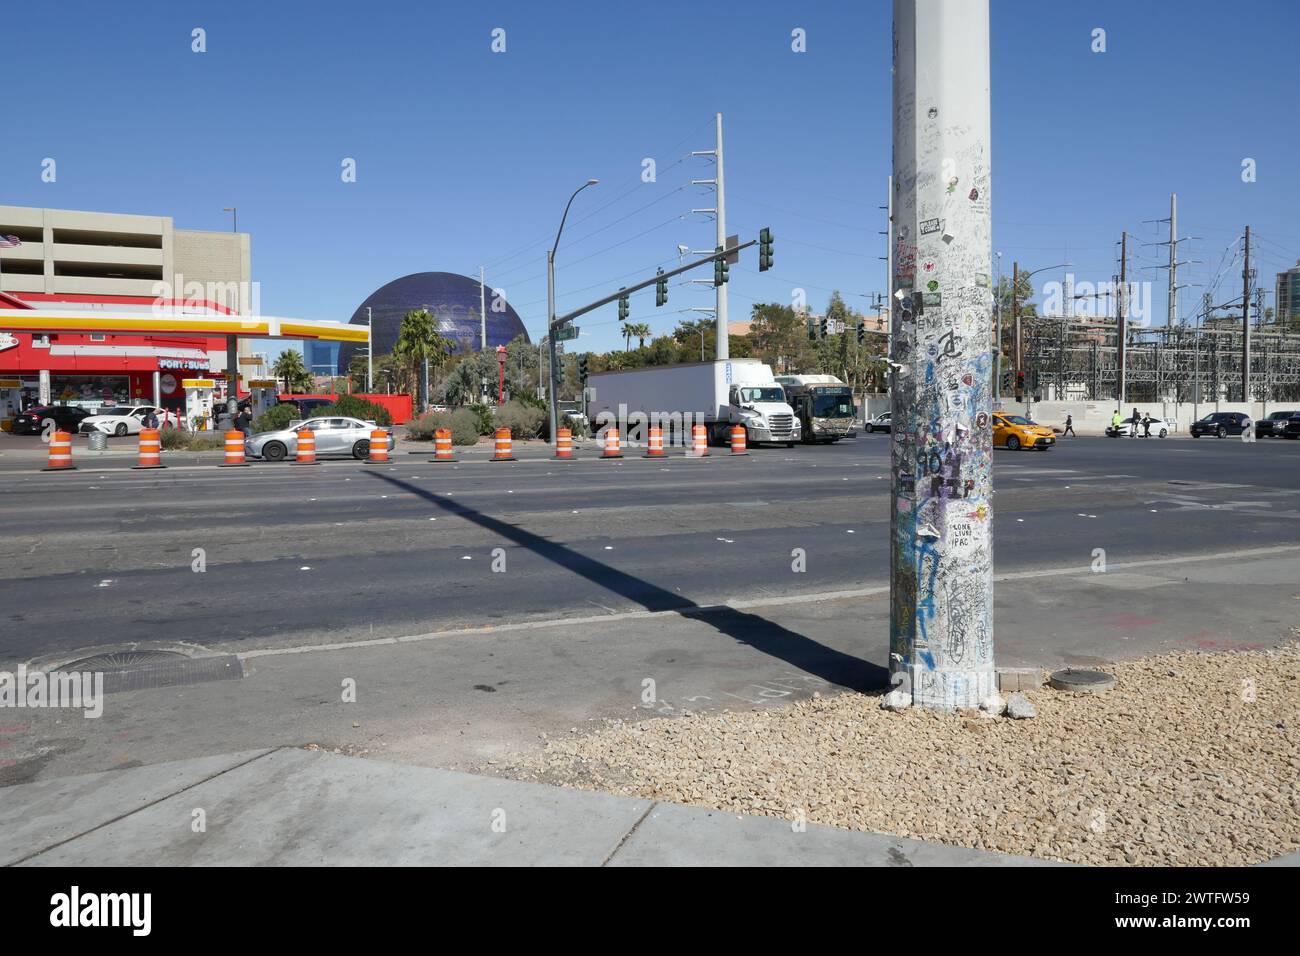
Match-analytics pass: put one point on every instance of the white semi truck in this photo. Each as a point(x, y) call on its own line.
point(717, 395)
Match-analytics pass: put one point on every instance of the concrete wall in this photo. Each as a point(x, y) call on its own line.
point(1091, 418)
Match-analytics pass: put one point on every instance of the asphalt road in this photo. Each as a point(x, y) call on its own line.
point(381, 578)
point(343, 551)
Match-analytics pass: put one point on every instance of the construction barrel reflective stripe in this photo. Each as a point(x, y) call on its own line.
point(504, 449)
point(442, 445)
point(60, 452)
point(379, 445)
point(306, 444)
point(738, 446)
point(150, 448)
point(655, 443)
point(613, 447)
point(699, 441)
point(564, 443)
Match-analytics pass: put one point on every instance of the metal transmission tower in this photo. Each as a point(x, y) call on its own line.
point(719, 212)
point(941, 571)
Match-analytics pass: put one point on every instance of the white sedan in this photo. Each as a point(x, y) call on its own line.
point(881, 423)
point(1160, 428)
point(334, 436)
point(121, 420)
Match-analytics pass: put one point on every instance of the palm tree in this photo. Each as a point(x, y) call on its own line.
point(639, 330)
point(289, 367)
point(419, 341)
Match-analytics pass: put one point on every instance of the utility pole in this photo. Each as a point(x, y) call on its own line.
point(482, 312)
point(1172, 317)
point(1121, 322)
point(370, 349)
point(720, 214)
point(1015, 315)
point(1245, 322)
point(941, 571)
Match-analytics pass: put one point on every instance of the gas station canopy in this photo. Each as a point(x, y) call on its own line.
point(177, 322)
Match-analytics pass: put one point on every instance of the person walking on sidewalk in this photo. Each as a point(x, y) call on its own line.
point(1146, 425)
point(1069, 426)
point(1115, 422)
point(1137, 417)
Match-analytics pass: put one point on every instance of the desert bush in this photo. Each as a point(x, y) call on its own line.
point(483, 417)
point(524, 421)
point(462, 422)
point(349, 406)
point(178, 439)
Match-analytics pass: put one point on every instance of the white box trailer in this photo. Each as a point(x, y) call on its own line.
point(715, 394)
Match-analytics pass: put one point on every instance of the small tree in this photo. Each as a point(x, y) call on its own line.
point(290, 369)
point(418, 343)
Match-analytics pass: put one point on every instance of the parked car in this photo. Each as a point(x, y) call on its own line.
point(308, 406)
point(120, 420)
point(1275, 423)
point(1016, 431)
point(35, 420)
point(1221, 424)
point(1160, 428)
point(334, 436)
point(879, 424)
point(1292, 429)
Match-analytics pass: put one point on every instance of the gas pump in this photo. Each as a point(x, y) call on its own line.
point(11, 402)
point(198, 402)
point(263, 395)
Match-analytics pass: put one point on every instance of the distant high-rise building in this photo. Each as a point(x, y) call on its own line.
point(1288, 296)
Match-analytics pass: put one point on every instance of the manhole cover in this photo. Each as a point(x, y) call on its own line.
point(1082, 681)
point(141, 670)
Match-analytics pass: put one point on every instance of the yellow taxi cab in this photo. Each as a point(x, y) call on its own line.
point(1016, 431)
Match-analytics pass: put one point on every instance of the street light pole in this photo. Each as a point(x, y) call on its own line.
point(370, 349)
point(234, 213)
point(941, 555)
point(550, 311)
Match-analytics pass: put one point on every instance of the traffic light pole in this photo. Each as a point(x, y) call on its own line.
point(563, 320)
point(941, 556)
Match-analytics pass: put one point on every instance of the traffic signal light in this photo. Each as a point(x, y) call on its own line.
point(719, 268)
point(862, 332)
point(812, 331)
point(624, 309)
point(1020, 385)
point(764, 249)
point(582, 369)
point(661, 290)
point(824, 327)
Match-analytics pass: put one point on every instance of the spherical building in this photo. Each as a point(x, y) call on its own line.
point(452, 299)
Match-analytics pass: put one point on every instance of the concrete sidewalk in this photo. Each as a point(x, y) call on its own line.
point(309, 808)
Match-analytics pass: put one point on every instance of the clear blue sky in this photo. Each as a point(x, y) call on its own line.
point(466, 157)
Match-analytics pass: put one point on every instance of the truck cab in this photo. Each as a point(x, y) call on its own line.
point(761, 408)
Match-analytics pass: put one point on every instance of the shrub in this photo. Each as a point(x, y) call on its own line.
point(276, 419)
point(350, 406)
point(524, 421)
point(462, 422)
point(178, 439)
point(483, 415)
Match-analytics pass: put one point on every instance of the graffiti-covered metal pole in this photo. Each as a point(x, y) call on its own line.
point(941, 574)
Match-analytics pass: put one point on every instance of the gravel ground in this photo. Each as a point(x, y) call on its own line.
point(1191, 760)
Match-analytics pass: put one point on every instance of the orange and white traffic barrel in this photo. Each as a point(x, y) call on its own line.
point(699, 441)
point(442, 450)
point(655, 444)
point(613, 447)
point(738, 446)
point(504, 448)
point(378, 447)
point(60, 453)
point(150, 449)
point(564, 444)
point(234, 451)
point(306, 447)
